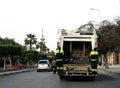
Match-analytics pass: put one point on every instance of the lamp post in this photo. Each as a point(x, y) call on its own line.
point(98, 10)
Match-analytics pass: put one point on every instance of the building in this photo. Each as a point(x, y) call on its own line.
point(42, 44)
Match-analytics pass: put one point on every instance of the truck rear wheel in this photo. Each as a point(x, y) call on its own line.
point(93, 78)
point(61, 77)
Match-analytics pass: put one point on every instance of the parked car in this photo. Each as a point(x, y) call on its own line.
point(43, 65)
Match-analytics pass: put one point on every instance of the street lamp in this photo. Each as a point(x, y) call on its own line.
point(98, 10)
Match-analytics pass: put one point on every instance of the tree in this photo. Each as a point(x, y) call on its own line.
point(31, 57)
point(117, 33)
point(89, 27)
point(8, 41)
point(8, 48)
point(108, 37)
point(50, 56)
point(7, 51)
point(42, 47)
point(30, 40)
point(17, 59)
point(39, 46)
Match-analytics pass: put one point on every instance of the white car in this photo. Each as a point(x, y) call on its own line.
point(43, 65)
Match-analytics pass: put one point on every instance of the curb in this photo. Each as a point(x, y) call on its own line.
point(14, 72)
point(110, 70)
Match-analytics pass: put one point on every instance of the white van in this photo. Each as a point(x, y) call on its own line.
point(43, 65)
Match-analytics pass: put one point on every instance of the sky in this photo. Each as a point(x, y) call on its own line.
point(21, 17)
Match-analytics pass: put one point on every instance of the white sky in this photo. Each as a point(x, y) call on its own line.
point(21, 17)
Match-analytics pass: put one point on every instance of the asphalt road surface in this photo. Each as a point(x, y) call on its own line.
point(35, 79)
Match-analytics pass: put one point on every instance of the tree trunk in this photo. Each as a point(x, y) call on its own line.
point(30, 47)
point(28, 64)
point(4, 58)
point(18, 62)
point(106, 62)
point(10, 61)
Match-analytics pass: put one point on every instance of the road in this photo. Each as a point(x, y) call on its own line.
point(35, 79)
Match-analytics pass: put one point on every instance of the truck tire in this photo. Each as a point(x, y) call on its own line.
point(61, 77)
point(93, 78)
point(54, 71)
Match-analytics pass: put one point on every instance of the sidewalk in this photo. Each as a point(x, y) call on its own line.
point(112, 69)
point(13, 72)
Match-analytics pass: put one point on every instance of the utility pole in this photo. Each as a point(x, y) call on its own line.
point(98, 10)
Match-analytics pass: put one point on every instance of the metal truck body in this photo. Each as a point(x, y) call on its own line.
point(77, 45)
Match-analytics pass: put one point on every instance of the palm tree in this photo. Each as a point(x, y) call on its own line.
point(42, 47)
point(30, 40)
point(39, 45)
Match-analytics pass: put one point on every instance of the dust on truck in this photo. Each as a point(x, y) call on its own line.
point(77, 45)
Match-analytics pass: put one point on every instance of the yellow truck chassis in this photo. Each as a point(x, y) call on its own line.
point(73, 70)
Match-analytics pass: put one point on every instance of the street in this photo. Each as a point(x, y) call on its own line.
point(35, 79)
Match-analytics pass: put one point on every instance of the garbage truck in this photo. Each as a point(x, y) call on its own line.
point(77, 45)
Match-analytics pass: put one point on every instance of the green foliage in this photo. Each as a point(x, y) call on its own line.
point(8, 41)
point(51, 55)
point(109, 37)
point(34, 55)
point(16, 58)
point(42, 47)
point(6, 49)
point(3, 50)
point(30, 40)
point(29, 57)
point(42, 56)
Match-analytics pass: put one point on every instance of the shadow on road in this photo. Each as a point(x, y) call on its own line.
point(105, 77)
point(99, 77)
point(80, 79)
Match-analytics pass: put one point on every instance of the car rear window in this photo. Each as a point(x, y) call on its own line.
point(42, 62)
